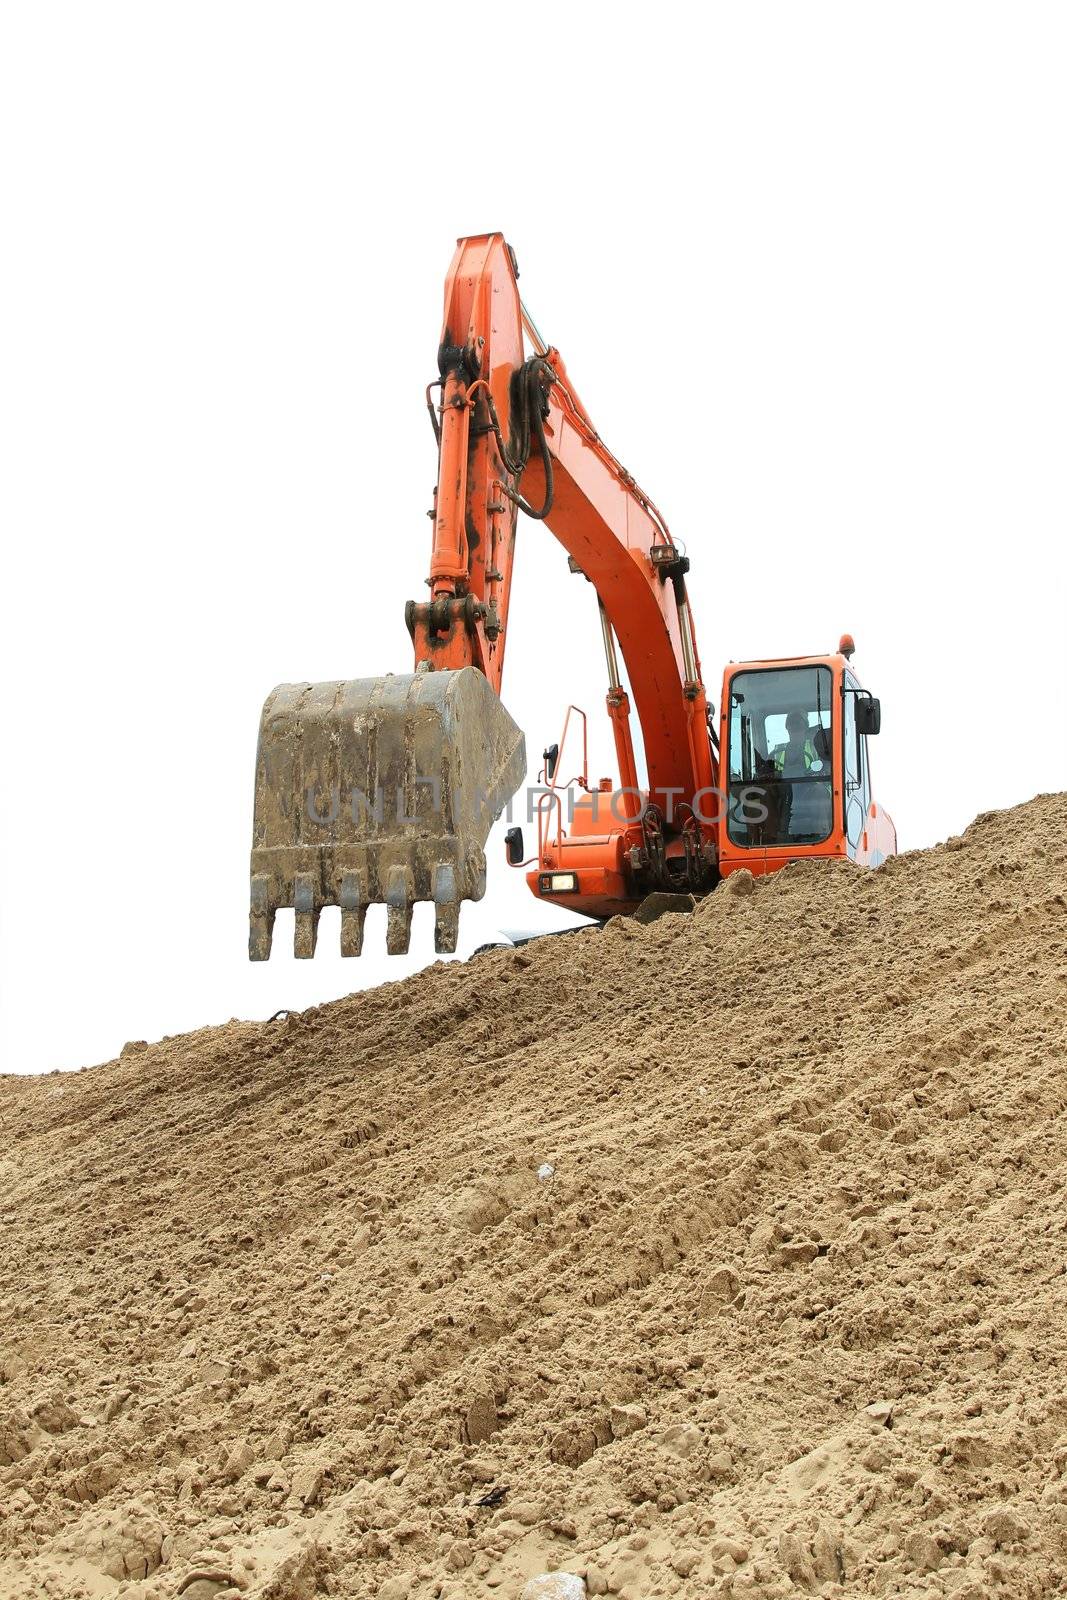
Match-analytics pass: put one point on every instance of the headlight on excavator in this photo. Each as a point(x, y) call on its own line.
point(558, 883)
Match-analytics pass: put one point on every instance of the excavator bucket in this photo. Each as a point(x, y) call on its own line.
point(377, 789)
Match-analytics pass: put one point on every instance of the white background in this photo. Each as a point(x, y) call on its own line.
point(807, 266)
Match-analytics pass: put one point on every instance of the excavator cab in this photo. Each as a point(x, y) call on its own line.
point(795, 760)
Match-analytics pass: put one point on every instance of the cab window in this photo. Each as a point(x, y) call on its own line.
point(780, 757)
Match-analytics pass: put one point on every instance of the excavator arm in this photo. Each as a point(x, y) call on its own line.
point(385, 789)
point(496, 405)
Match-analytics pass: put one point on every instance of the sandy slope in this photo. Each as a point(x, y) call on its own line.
point(281, 1303)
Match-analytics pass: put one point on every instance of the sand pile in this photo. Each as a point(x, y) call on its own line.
point(724, 1256)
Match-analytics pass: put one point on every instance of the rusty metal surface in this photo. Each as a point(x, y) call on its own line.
point(377, 790)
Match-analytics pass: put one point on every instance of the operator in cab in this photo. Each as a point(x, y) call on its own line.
point(805, 806)
point(797, 757)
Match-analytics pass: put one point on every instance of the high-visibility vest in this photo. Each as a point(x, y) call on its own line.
point(783, 750)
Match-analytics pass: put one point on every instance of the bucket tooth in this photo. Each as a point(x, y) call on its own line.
point(260, 919)
point(306, 932)
point(446, 900)
point(399, 895)
point(353, 914)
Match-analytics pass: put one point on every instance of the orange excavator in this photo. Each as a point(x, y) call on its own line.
point(384, 789)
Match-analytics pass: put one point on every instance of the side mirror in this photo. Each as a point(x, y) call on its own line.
point(868, 714)
point(514, 846)
point(551, 759)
